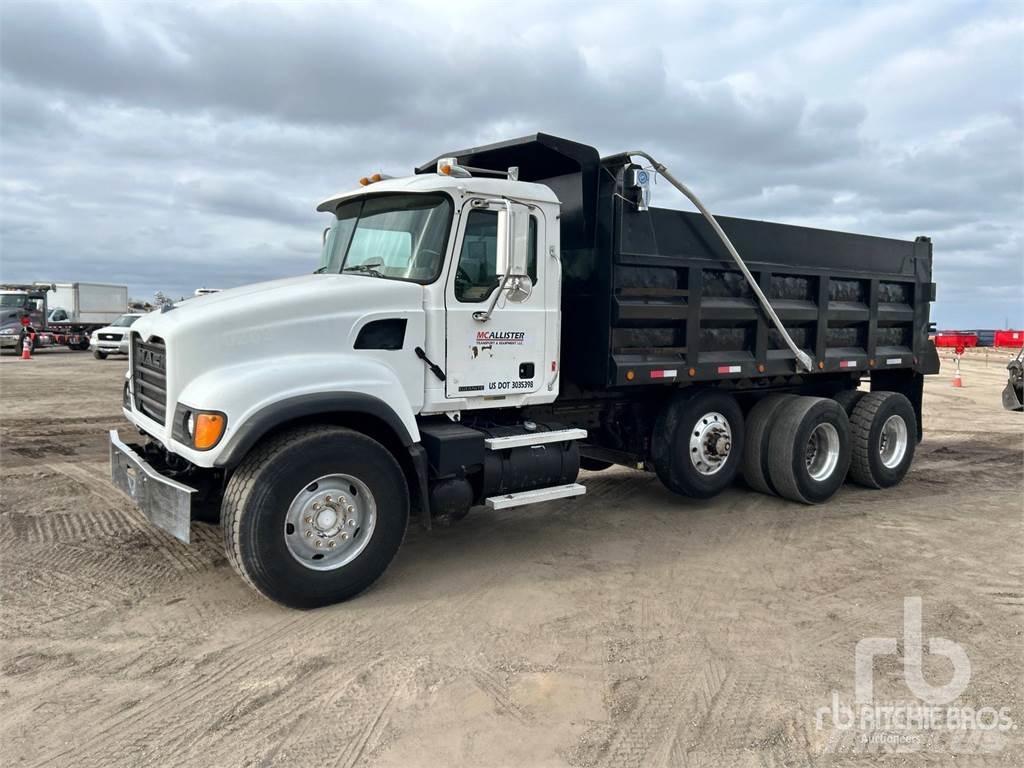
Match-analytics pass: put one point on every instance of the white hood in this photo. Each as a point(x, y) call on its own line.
point(309, 305)
point(308, 315)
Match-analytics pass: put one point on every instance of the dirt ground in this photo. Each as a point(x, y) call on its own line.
point(625, 628)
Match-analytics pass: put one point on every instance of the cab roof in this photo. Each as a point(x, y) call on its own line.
point(456, 187)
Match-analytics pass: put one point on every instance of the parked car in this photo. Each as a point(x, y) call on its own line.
point(113, 339)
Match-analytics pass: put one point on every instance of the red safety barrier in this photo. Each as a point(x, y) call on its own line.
point(953, 339)
point(1013, 339)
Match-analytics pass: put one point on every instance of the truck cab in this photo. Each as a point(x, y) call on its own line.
point(22, 313)
point(478, 330)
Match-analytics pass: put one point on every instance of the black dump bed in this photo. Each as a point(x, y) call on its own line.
point(656, 298)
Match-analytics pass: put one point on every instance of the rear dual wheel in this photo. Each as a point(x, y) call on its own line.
point(759, 430)
point(809, 449)
point(883, 431)
point(802, 448)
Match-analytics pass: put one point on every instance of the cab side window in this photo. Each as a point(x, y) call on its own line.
point(476, 275)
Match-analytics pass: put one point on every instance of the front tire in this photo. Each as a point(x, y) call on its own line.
point(325, 486)
point(99, 355)
point(697, 445)
point(883, 431)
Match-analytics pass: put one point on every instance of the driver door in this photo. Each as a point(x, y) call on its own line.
point(503, 356)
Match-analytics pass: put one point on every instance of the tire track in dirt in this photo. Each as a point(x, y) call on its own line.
point(176, 552)
point(173, 702)
point(185, 708)
point(652, 734)
point(367, 703)
point(369, 732)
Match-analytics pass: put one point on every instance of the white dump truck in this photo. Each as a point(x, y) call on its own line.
point(478, 330)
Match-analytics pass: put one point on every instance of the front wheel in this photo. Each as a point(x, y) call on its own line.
point(99, 355)
point(697, 443)
point(315, 516)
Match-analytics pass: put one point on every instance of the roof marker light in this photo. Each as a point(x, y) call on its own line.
point(367, 180)
point(449, 166)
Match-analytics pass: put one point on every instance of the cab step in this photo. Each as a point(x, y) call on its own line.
point(534, 438)
point(522, 498)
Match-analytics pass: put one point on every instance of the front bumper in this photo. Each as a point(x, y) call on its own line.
point(165, 502)
point(111, 347)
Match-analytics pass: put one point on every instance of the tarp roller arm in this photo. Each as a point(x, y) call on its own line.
point(803, 360)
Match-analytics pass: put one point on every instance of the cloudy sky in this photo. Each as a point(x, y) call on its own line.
point(171, 146)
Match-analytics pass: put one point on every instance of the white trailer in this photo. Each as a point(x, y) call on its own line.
point(94, 304)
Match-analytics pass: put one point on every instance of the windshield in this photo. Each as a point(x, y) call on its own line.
point(124, 321)
point(12, 300)
point(402, 237)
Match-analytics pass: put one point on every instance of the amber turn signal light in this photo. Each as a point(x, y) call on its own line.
point(208, 429)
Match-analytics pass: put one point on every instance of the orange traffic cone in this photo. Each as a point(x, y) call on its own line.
point(26, 347)
point(957, 380)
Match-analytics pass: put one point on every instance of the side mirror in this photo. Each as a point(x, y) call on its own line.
point(323, 237)
point(513, 240)
point(511, 257)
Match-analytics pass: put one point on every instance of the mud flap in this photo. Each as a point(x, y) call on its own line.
point(165, 502)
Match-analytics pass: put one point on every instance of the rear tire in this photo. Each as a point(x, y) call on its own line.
point(755, 451)
point(272, 549)
point(704, 466)
point(809, 449)
point(848, 399)
point(883, 435)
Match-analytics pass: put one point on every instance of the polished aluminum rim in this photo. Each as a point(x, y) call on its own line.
point(330, 522)
point(892, 444)
point(822, 454)
point(710, 443)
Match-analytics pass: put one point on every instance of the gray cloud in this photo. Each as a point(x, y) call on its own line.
point(176, 145)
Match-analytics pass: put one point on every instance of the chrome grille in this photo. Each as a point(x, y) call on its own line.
point(149, 375)
point(111, 336)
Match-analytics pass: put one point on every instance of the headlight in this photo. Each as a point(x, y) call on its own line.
point(7, 331)
point(126, 397)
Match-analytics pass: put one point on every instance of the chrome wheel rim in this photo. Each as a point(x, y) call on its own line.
point(710, 443)
point(822, 453)
point(892, 442)
point(330, 522)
